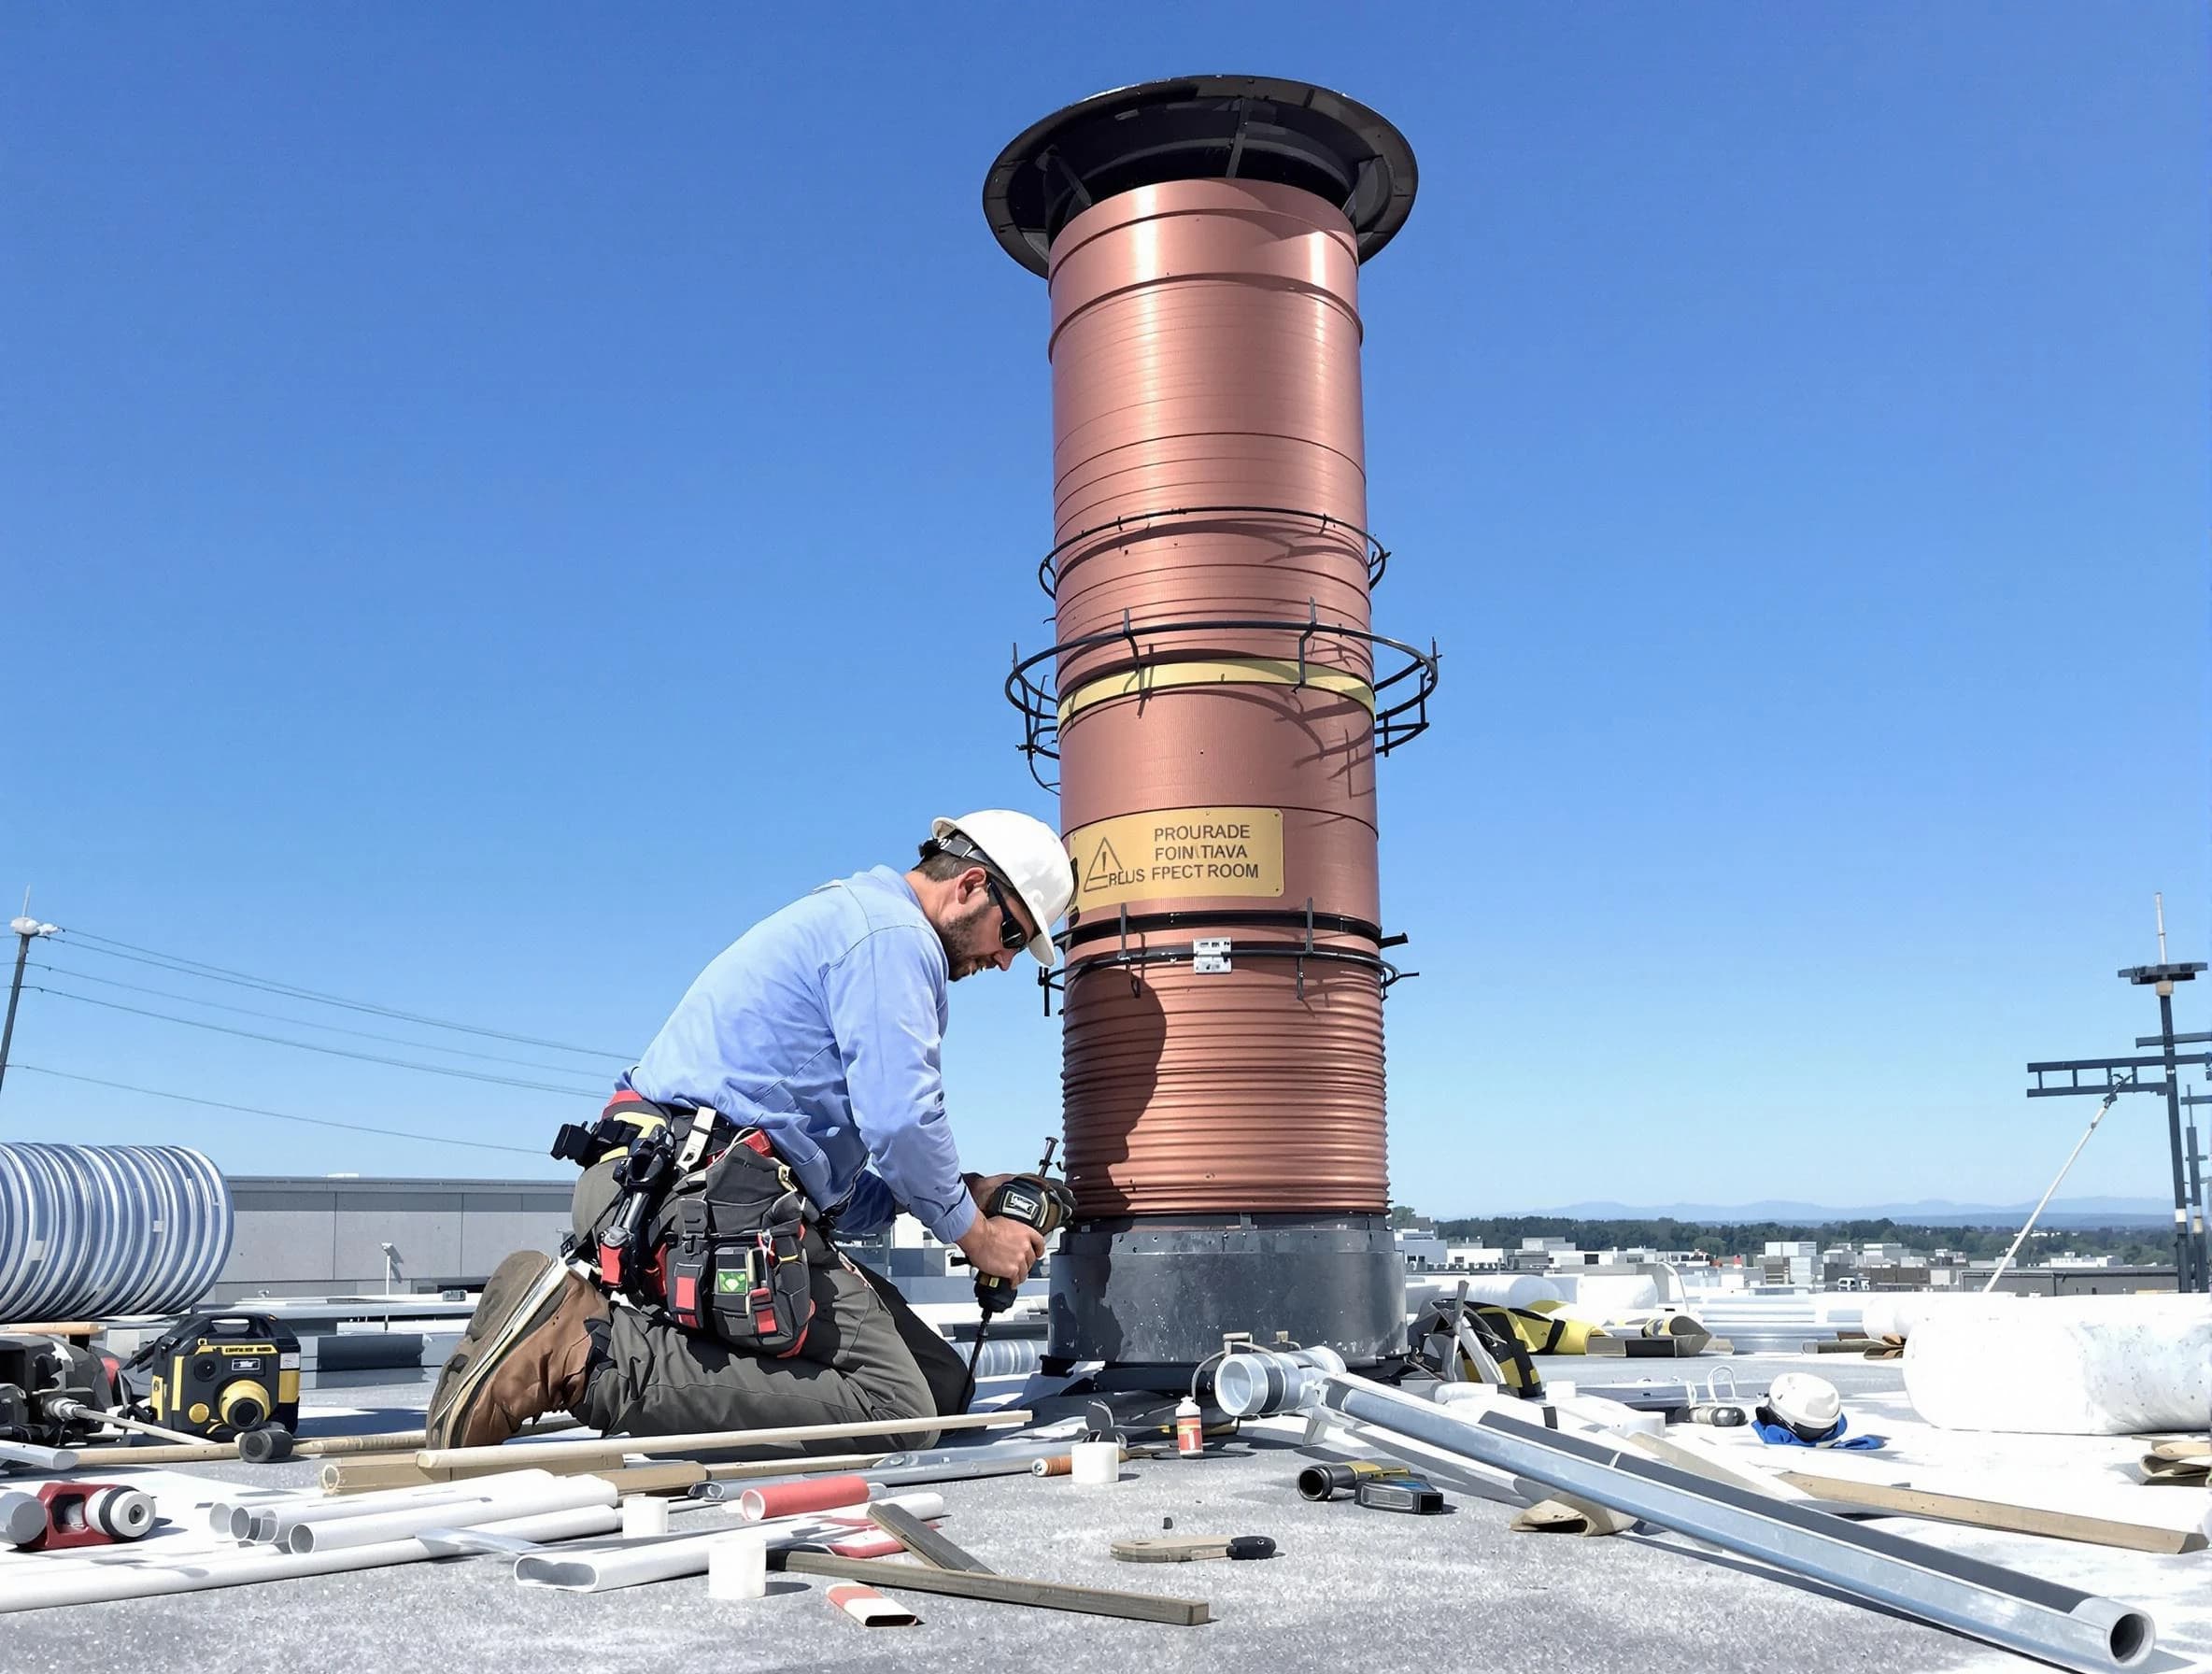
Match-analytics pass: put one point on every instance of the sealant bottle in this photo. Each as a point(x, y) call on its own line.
point(1190, 1430)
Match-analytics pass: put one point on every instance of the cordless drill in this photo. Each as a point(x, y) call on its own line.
point(1035, 1201)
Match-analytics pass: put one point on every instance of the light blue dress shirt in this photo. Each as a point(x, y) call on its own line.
point(821, 1025)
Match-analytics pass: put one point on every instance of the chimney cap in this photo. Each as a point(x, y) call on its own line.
point(1200, 128)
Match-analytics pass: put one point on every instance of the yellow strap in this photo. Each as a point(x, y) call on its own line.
point(1218, 671)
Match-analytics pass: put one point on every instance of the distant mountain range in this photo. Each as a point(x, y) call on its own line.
point(1932, 1212)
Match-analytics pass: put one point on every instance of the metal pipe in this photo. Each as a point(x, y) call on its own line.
point(2005, 1260)
point(140, 1572)
point(434, 1458)
point(2021, 1612)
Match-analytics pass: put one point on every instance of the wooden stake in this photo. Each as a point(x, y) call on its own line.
point(1991, 1513)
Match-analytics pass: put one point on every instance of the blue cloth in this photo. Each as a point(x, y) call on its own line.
point(821, 1026)
point(1777, 1435)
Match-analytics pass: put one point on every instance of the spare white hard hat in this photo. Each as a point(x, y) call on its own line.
point(1027, 853)
point(1799, 1401)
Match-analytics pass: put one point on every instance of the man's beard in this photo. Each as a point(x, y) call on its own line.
point(960, 935)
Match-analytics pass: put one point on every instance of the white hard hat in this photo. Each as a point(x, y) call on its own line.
point(1799, 1401)
point(1027, 853)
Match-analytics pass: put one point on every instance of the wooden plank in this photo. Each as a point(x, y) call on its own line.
point(1991, 1513)
point(996, 1589)
point(698, 1441)
point(677, 1477)
point(923, 1542)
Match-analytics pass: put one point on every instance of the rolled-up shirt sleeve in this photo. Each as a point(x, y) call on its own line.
point(883, 1004)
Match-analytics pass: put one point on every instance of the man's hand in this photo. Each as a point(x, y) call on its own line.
point(982, 1186)
point(1002, 1248)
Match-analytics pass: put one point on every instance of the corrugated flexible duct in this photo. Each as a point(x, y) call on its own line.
point(88, 1231)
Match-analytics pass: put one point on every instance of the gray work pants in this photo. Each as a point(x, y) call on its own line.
point(866, 1356)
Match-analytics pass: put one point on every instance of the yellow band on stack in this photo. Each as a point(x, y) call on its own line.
point(1218, 671)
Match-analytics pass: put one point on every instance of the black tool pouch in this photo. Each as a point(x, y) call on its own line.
point(731, 1249)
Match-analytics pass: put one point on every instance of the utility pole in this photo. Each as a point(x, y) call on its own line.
point(2196, 1182)
point(2190, 1271)
point(27, 930)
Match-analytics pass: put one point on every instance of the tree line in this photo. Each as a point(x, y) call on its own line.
point(2129, 1246)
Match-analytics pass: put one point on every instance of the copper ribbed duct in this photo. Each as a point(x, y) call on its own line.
point(1217, 695)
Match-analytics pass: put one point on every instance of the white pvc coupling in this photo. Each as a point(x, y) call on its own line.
point(737, 1566)
point(1095, 1464)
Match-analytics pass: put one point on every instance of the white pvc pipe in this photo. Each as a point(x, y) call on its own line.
point(636, 1563)
point(521, 1499)
point(21, 1518)
point(236, 1518)
point(140, 1571)
point(271, 1524)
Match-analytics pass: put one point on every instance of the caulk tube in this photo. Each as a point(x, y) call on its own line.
point(635, 1562)
point(141, 1572)
point(524, 1499)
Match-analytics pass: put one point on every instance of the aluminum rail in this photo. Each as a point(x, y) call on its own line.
point(2021, 1612)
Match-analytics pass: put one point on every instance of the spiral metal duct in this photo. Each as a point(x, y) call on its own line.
point(94, 1231)
point(1215, 700)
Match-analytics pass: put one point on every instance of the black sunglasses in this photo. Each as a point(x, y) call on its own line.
point(1010, 935)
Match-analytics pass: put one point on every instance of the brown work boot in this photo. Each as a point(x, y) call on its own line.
point(527, 1351)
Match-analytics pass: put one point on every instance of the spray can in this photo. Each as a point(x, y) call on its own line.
point(1190, 1431)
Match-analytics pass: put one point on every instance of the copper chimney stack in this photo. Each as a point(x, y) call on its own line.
point(1215, 700)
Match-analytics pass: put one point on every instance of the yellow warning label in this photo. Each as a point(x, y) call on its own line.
point(1177, 851)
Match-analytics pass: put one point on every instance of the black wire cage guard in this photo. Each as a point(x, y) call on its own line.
point(1135, 956)
point(1136, 526)
point(1401, 709)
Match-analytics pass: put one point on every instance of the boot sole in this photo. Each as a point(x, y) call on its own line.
point(536, 1306)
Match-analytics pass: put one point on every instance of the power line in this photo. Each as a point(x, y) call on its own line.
point(390, 1133)
point(366, 1057)
point(109, 946)
point(337, 1028)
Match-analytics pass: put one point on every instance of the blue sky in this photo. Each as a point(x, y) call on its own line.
point(497, 500)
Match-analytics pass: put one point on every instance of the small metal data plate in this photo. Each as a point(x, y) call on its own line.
point(1210, 955)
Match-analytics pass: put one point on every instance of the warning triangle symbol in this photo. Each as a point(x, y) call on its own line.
point(1103, 866)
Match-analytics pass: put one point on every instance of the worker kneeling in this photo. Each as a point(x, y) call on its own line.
point(705, 1290)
